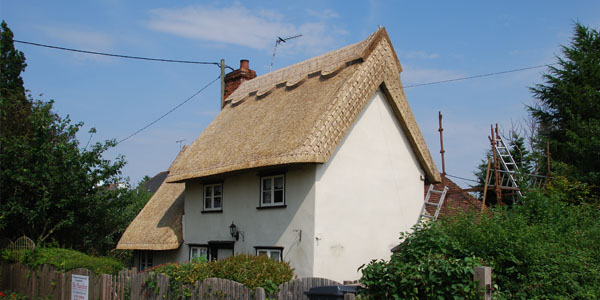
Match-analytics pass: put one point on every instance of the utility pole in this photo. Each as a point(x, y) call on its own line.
point(442, 146)
point(222, 83)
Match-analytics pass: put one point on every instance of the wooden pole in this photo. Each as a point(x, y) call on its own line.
point(222, 83)
point(496, 164)
point(442, 146)
point(485, 184)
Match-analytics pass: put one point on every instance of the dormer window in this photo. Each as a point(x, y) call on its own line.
point(272, 190)
point(213, 197)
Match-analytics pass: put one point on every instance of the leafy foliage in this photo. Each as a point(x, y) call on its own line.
point(542, 249)
point(51, 189)
point(429, 264)
point(249, 270)
point(65, 260)
point(568, 109)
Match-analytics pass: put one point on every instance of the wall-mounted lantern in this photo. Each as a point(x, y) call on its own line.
point(234, 231)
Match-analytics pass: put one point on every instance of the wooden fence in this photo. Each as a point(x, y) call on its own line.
point(46, 281)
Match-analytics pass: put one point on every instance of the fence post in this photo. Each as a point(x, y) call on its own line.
point(483, 275)
point(349, 296)
point(259, 294)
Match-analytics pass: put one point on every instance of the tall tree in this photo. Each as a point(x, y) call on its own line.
point(568, 109)
point(50, 188)
point(15, 105)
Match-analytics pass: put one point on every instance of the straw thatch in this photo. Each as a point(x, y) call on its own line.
point(158, 225)
point(301, 113)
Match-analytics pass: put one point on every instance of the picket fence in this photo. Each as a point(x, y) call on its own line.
point(48, 283)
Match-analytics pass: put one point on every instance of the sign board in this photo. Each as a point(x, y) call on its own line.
point(79, 287)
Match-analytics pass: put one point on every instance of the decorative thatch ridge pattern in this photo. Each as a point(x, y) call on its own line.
point(158, 226)
point(301, 113)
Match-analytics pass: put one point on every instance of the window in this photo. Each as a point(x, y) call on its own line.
point(272, 252)
point(213, 197)
point(198, 251)
point(145, 260)
point(272, 191)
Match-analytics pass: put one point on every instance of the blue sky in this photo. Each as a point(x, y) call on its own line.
point(434, 41)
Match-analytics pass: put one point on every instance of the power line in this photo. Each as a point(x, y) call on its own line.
point(478, 76)
point(461, 178)
point(123, 56)
point(170, 111)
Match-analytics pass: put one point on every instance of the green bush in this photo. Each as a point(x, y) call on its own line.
point(249, 270)
point(428, 265)
point(65, 260)
point(545, 248)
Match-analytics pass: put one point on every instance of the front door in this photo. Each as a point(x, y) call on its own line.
point(220, 249)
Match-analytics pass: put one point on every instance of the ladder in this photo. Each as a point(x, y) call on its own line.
point(509, 166)
point(438, 205)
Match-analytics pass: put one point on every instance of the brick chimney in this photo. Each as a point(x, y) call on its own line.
point(235, 78)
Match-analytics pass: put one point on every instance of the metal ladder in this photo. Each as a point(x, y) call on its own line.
point(509, 166)
point(438, 205)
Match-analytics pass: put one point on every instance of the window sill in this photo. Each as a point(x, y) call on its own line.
point(273, 206)
point(212, 211)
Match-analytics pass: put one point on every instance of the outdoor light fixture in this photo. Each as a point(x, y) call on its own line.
point(234, 231)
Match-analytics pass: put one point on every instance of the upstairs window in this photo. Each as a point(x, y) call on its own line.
point(213, 197)
point(272, 191)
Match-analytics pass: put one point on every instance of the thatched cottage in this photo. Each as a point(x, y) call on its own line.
point(320, 164)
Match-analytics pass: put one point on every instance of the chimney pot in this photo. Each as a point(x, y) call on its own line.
point(244, 64)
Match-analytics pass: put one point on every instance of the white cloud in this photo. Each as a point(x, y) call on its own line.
point(88, 39)
point(240, 26)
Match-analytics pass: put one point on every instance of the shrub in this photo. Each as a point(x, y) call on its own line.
point(545, 248)
point(428, 265)
point(249, 270)
point(65, 260)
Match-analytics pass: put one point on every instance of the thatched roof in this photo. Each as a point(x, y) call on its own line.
point(299, 114)
point(158, 225)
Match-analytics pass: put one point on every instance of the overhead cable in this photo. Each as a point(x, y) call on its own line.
point(457, 177)
point(123, 56)
point(170, 111)
point(478, 76)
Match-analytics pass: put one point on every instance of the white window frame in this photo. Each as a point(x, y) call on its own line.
point(272, 191)
point(201, 250)
point(211, 198)
point(270, 251)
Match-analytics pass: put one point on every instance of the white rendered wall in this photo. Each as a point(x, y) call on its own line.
point(261, 227)
point(366, 194)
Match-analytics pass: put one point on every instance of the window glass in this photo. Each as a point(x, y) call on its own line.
point(267, 184)
point(278, 196)
point(279, 182)
point(266, 197)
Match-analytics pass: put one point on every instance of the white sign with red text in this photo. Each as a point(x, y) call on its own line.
point(79, 287)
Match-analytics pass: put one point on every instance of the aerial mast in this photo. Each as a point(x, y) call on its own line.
point(278, 41)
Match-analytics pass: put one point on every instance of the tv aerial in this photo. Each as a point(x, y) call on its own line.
point(278, 41)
